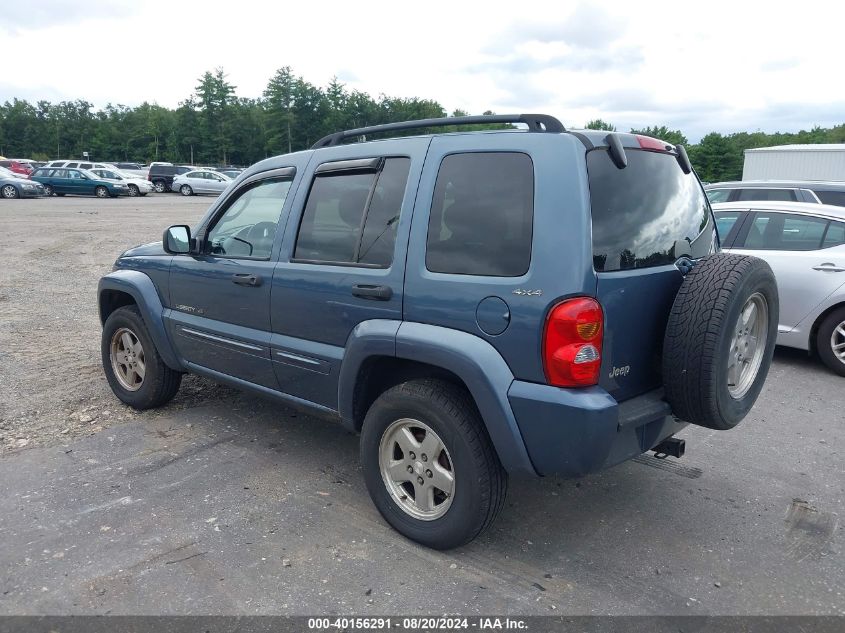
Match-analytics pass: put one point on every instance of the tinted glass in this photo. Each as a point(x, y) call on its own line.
point(725, 221)
point(330, 227)
point(60, 173)
point(718, 195)
point(248, 227)
point(759, 194)
point(648, 214)
point(832, 197)
point(482, 215)
point(379, 235)
point(835, 235)
point(72, 165)
point(43, 172)
point(785, 232)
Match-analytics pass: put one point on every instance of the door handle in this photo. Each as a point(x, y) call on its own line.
point(829, 267)
point(379, 293)
point(246, 279)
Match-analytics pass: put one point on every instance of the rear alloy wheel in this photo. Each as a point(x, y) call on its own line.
point(429, 465)
point(101, 192)
point(186, 190)
point(134, 191)
point(830, 341)
point(160, 186)
point(48, 190)
point(9, 191)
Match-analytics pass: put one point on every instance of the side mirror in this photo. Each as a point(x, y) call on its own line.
point(177, 240)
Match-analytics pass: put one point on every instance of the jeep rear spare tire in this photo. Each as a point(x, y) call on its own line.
point(720, 339)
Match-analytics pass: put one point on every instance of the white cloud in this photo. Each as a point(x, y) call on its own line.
point(721, 66)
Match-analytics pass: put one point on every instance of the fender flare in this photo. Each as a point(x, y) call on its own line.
point(477, 363)
point(142, 289)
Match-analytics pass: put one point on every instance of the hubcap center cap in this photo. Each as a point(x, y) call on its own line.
point(418, 468)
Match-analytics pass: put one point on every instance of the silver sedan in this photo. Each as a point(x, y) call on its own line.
point(805, 246)
point(201, 181)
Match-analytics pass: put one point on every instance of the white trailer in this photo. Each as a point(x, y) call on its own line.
point(796, 162)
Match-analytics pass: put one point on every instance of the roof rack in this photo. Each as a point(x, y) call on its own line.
point(535, 123)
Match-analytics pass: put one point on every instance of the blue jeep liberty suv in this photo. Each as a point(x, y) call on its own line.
point(522, 301)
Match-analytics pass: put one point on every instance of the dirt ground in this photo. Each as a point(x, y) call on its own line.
point(55, 250)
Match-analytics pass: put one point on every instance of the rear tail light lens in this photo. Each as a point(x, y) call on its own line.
point(572, 343)
point(647, 142)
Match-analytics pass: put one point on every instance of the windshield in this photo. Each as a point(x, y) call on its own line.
point(648, 214)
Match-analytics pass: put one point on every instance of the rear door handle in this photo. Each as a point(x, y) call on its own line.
point(829, 267)
point(246, 279)
point(366, 291)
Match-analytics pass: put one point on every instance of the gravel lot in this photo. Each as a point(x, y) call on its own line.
point(224, 503)
point(51, 382)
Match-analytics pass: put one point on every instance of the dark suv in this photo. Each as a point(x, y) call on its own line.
point(475, 304)
point(162, 176)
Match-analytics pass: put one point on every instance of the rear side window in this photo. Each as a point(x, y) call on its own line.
point(648, 214)
point(785, 232)
point(482, 215)
point(351, 218)
point(835, 235)
point(718, 195)
point(759, 194)
point(832, 197)
point(725, 221)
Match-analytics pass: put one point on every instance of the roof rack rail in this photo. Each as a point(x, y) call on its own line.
point(535, 123)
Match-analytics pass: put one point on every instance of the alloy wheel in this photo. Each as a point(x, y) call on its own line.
point(127, 359)
point(748, 345)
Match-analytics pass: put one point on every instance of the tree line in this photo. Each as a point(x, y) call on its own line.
point(215, 126)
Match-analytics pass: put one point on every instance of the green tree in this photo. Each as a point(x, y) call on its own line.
point(599, 124)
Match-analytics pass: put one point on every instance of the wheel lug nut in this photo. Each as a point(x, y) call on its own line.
point(410, 469)
point(412, 455)
point(429, 474)
point(424, 457)
point(419, 480)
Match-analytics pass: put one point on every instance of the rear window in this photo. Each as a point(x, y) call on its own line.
point(766, 195)
point(648, 214)
point(832, 197)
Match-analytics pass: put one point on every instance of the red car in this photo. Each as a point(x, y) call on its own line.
point(22, 169)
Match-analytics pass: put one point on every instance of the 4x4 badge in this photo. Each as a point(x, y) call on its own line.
point(528, 293)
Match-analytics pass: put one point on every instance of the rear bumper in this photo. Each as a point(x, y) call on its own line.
point(571, 432)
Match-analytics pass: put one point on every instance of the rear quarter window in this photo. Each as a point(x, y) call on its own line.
point(648, 214)
point(482, 215)
point(832, 197)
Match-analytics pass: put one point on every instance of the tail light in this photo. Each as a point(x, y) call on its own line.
point(647, 142)
point(572, 343)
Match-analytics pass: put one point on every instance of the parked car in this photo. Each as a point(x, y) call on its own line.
point(805, 246)
point(201, 181)
point(78, 164)
point(230, 172)
point(528, 302)
point(12, 186)
point(134, 169)
point(162, 175)
point(778, 190)
point(18, 167)
point(79, 182)
point(137, 186)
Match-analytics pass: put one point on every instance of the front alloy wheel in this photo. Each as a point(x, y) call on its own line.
point(127, 359)
point(416, 469)
point(101, 192)
point(9, 191)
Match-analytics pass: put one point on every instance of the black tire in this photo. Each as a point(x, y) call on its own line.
point(134, 191)
point(160, 186)
point(9, 192)
point(700, 336)
point(160, 382)
point(186, 190)
point(48, 190)
point(480, 480)
point(101, 192)
point(825, 339)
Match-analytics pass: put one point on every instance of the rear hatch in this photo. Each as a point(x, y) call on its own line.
point(646, 217)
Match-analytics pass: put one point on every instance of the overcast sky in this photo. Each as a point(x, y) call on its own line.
point(726, 66)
